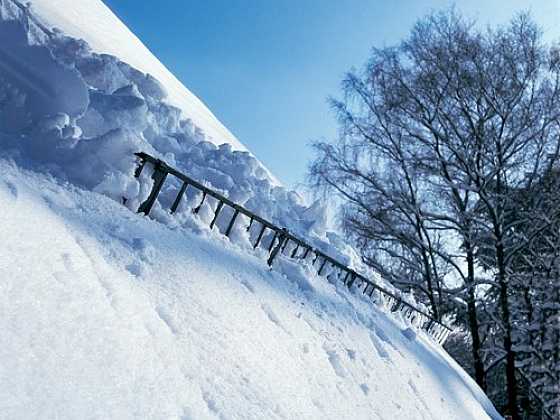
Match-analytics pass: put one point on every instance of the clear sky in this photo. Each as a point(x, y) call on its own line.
point(266, 67)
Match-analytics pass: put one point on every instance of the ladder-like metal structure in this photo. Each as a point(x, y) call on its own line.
point(281, 240)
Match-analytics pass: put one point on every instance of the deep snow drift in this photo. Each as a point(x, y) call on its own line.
point(102, 110)
point(94, 22)
point(107, 314)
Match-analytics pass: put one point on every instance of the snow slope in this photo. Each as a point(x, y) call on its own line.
point(81, 115)
point(94, 22)
point(107, 314)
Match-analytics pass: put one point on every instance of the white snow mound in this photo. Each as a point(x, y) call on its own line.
point(81, 115)
point(106, 314)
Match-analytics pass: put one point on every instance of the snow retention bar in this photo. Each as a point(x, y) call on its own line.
point(279, 244)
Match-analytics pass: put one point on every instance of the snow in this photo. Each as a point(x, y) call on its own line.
point(107, 314)
point(56, 88)
point(123, 111)
point(94, 22)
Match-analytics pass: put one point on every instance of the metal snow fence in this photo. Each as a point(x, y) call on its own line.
point(281, 238)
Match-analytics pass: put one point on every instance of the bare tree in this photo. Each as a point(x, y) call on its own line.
point(437, 135)
point(382, 203)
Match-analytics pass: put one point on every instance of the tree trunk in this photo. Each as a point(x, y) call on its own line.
point(430, 286)
point(479, 373)
point(511, 380)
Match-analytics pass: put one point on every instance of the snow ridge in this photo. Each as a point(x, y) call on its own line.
point(93, 21)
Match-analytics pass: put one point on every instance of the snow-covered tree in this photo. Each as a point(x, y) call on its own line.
point(439, 135)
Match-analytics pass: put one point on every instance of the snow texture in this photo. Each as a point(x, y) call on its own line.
point(94, 22)
point(113, 110)
point(106, 314)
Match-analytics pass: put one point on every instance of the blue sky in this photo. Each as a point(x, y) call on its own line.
point(266, 67)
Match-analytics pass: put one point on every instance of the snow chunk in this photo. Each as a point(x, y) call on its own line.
point(27, 94)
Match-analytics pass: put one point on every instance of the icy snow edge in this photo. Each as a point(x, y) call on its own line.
point(94, 22)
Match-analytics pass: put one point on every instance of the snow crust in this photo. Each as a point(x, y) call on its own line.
point(106, 314)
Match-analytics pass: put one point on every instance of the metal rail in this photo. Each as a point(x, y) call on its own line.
point(281, 238)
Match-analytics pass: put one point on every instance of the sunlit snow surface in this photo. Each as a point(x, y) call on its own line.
point(94, 22)
point(107, 314)
point(81, 115)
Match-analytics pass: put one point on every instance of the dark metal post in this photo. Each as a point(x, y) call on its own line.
point(389, 299)
point(273, 241)
point(232, 222)
point(179, 196)
point(315, 259)
point(322, 266)
point(216, 214)
point(346, 277)
point(351, 281)
point(283, 237)
point(158, 176)
point(429, 327)
point(259, 237)
point(294, 252)
point(139, 168)
point(197, 208)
